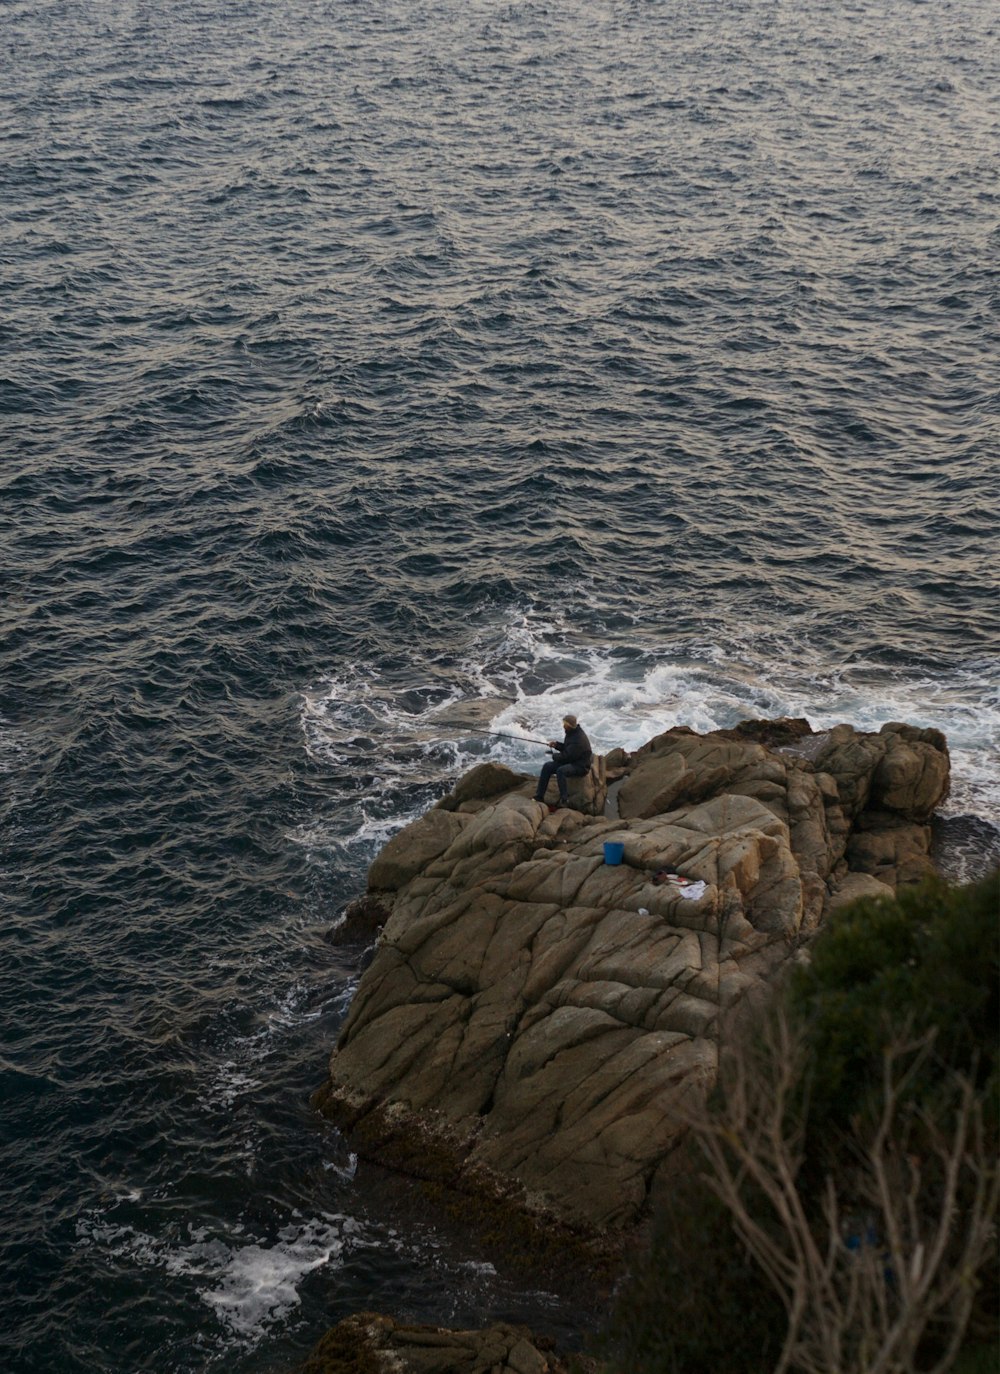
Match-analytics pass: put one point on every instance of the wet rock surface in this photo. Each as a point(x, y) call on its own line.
point(533, 1017)
point(371, 1344)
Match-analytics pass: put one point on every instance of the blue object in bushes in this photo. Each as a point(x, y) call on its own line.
point(614, 851)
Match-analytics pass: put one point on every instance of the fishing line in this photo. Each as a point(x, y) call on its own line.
point(502, 734)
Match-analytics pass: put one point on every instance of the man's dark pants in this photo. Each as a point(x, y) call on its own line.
point(562, 772)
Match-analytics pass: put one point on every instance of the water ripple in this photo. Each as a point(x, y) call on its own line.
point(365, 363)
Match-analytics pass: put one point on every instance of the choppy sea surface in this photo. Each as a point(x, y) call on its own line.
point(371, 371)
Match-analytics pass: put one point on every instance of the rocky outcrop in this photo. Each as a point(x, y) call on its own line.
point(587, 794)
point(371, 1344)
point(533, 1017)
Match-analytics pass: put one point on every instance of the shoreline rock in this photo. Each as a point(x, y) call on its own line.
point(533, 1018)
point(369, 1343)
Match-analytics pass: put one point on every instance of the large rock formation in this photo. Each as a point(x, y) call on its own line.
point(533, 1017)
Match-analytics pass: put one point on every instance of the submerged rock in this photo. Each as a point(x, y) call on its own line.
point(533, 1018)
point(371, 1344)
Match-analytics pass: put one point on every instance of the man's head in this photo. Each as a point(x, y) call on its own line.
point(569, 722)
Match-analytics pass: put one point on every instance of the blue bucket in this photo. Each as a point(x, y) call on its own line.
point(614, 851)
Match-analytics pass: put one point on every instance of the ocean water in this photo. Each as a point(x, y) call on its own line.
point(372, 373)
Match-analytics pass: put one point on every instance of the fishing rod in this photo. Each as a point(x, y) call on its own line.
point(502, 734)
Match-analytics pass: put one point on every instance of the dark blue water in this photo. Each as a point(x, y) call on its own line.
point(368, 370)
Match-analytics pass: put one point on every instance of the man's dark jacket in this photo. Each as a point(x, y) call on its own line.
point(575, 749)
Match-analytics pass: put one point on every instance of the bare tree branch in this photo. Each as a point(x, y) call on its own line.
point(892, 1247)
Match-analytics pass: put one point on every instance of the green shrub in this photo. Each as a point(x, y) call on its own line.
point(927, 961)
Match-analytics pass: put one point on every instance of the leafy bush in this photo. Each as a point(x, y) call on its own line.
point(926, 962)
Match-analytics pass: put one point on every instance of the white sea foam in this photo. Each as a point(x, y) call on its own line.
point(258, 1284)
point(524, 679)
point(346, 1171)
point(250, 1284)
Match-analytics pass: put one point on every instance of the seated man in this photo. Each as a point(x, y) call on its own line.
point(572, 759)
